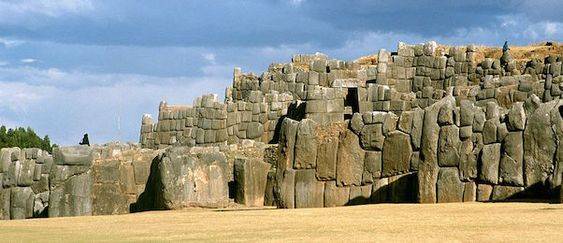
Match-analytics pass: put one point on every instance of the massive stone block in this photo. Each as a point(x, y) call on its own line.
point(372, 137)
point(191, 180)
point(467, 161)
point(449, 186)
point(21, 203)
point(372, 167)
point(490, 159)
point(306, 145)
point(350, 164)
point(335, 196)
point(360, 194)
point(327, 157)
point(250, 180)
point(417, 127)
point(396, 153)
point(511, 162)
point(448, 146)
point(539, 145)
point(428, 167)
point(5, 203)
point(309, 193)
point(286, 150)
point(501, 193)
point(71, 182)
point(285, 188)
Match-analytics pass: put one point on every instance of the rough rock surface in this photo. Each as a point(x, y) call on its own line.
point(250, 180)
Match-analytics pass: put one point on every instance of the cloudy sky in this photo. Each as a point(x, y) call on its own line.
point(74, 66)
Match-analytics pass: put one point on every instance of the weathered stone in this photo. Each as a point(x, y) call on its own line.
point(512, 160)
point(490, 131)
point(467, 161)
point(396, 153)
point(255, 130)
point(467, 112)
point(372, 137)
point(109, 199)
point(446, 115)
point(516, 117)
point(490, 160)
point(327, 157)
point(449, 186)
point(390, 123)
point(502, 193)
point(5, 203)
point(405, 122)
point(308, 191)
point(484, 192)
point(286, 148)
point(335, 196)
point(492, 110)
point(74, 155)
point(27, 172)
point(72, 197)
point(356, 123)
point(306, 145)
point(21, 206)
point(428, 168)
point(372, 167)
point(360, 194)
point(448, 146)
point(416, 131)
point(479, 122)
point(539, 145)
point(250, 181)
point(187, 180)
point(286, 188)
point(465, 132)
point(350, 164)
point(470, 192)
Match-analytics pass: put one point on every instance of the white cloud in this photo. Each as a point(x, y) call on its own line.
point(4, 63)
point(16, 11)
point(28, 60)
point(64, 105)
point(209, 57)
point(9, 43)
point(296, 2)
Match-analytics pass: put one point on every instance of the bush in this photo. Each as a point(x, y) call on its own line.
point(23, 138)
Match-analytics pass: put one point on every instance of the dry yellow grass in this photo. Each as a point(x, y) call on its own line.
point(477, 222)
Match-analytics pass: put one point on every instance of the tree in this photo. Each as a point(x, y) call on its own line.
point(23, 138)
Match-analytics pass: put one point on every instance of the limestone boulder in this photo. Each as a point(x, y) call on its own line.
point(490, 160)
point(448, 146)
point(371, 137)
point(396, 154)
point(251, 176)
point(188, 179)
point(449, 186)
point(335, 196)
point(512, 160)
point(350, 164)
point(306, 145)
point(539, 145)
point(428, 167)
point(503, 193)
point(309, 193)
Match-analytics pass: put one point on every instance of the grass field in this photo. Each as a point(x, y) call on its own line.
point(507, 222)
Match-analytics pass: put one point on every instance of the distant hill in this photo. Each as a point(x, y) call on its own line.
point(23, 138)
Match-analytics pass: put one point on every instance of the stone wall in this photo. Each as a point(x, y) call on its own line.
point(24, 183)
point(439, 154)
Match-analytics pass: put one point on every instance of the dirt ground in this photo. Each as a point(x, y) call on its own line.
point(505, 222)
